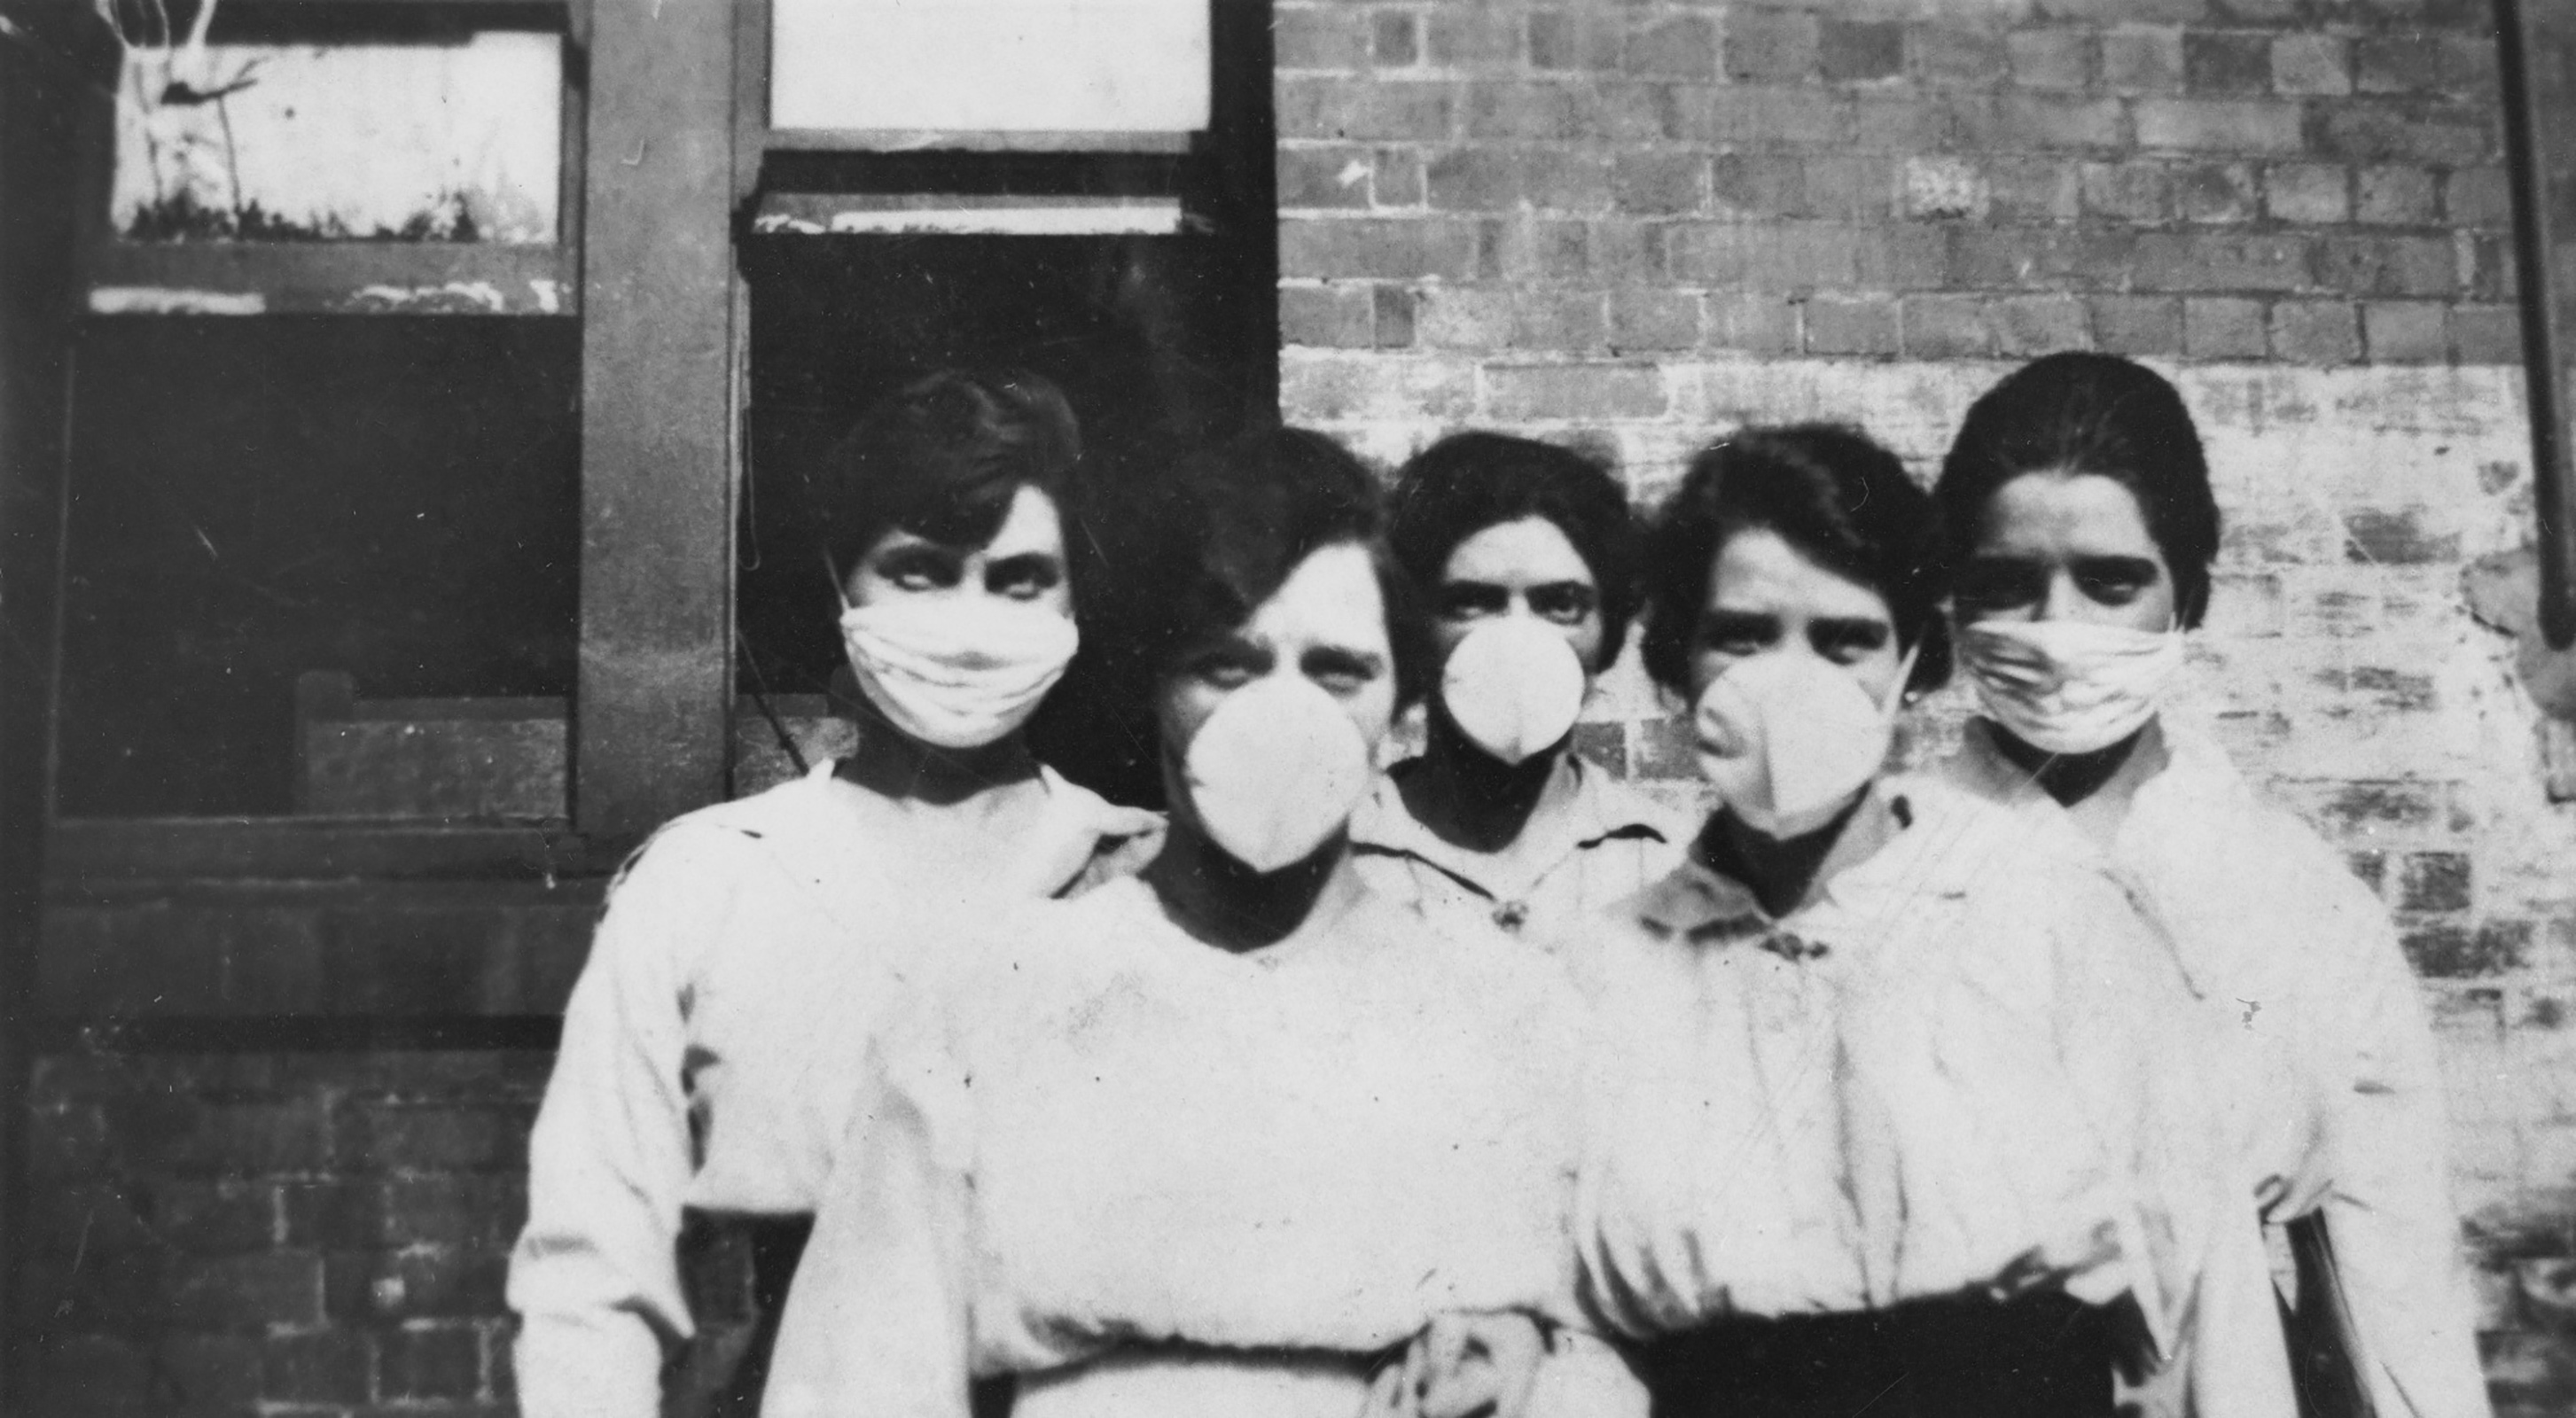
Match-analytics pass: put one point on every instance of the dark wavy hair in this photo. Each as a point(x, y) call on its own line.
point(1468, 482)
point(1169, 558)
point(942, 458)
point(1832, 493)
point(2078, 413)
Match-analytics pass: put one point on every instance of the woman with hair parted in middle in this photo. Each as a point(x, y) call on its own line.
point(1896, 1114)
point(1229, 1137)
point(1529, 554)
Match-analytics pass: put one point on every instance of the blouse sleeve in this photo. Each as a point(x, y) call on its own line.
point(2388, 1214)
point(594, 1277)
point(878, 1324)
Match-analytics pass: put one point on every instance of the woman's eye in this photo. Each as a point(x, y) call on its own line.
point(1470, 600)
point(1023, 578)
point(1564, 605)
point(1737, 635)
point(2110, 590)
point(1340, 674)
point(1992, 585)
point(1848, 644)
point(919, 569)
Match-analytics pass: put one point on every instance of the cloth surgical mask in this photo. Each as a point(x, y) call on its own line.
point(957, 671)
point(1513, 687)
point(2065, 686)
point(1276, 771)
point(1789, 740)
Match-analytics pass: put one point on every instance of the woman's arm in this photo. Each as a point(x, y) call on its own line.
point(594, 1278)
point(877, 1322)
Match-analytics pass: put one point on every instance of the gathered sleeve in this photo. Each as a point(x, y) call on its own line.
point(594, 1278)
point(879, 1321)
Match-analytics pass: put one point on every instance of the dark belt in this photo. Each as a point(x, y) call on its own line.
point(2037, 1356)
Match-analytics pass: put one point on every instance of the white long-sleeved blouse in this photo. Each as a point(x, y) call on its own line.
point(2276, 934)
point(1148, 1177)
point(712, 1046)
point(1969, 1068)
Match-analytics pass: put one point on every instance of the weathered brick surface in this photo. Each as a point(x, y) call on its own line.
point(238, 1233)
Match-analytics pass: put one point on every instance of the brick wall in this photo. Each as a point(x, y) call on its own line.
point(1633, 226)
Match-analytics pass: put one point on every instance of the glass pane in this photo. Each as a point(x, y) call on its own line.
point(385, 506)
point(990, 65)
point(456, 141)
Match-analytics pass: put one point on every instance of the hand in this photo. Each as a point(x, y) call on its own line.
point(1464, 1364)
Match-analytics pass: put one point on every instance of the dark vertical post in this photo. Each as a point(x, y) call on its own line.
point(2527, 165)
point(55, 82)
point(657, 408)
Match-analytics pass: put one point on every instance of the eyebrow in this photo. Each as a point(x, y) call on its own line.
point(1022, 563)
point(1367, 660)
point(1853, 625)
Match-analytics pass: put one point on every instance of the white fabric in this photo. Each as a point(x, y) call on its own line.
point(1117, 1139)
point(2283, 943)
point(2067, 686)
point(1276, 771)
point(1789, 740)
point(957, 672)
point(1514, 687)
point(1591, 843)
point(710, 1053)
point(1970, 1068)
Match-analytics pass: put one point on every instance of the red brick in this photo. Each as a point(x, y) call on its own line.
point(1639, 113)
point(1860, 50)
point(428, 1364)
point(1558, 40)
point(1897, 123)
point(1753, 322)
point(2311, 64)
point(327, 1366)
point(1658, 182)
point(2388, 265)
point(208, 1373)
point(2173, 261)
point(1757, 185)
point(1573, 391)
point(2046, 122)
point(1325, 177)
point(1947, 327)
point(2215, 193)
point(2226, 64)
point(1392, 309)
point(1370, 108)
point(2315, 332)
point(1770, 46)
point(1848, 325)
point(2136, 191)
point(2219, 125)
point(1956, 54)
point(438, 1282)
point(2478, 197)
point(1767, 116)
point(2032, 189)
point(2138, 325)
point(1646, 318)
point(2446, 951)
point(2379, 536)
point(213, 1217)
point(2486, 334)
point(1462, 39)
point(1559, 320)
point(72, 1291)
point(2029, 325)
point(2394, 196)
point(1394, 40)
point(2142, 61)
point(1849, 188)
point(1545, 112)
point(2420, 62)
point(1677, 47)
point(2434, 881)
point(2051, 58)
point(1313, 38)
point(2404, 331)
point(1376, 248)
point(1622, 252)
point(1944, 186)
point(1330, 317)
point(2403, 131)
point(375, 1137)
point(2307, 192)
point(2022, 258)
point(195, 1135)
point(247, 1291)
point(88, 1376)
point(2221, 328)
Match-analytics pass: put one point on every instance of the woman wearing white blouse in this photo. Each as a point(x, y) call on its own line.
point(1225, 1137)
point(717, 1031)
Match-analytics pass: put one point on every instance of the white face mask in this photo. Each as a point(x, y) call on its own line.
point(1790, 740)
point(2065, 686)
point(957, 672)
point(1513, 687)
point(1275, 772)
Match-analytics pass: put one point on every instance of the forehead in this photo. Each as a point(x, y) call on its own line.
point(2039, 513)
point(1029, 526)
point(1331, 598)
point(1531, 550)
point(1757, 572)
